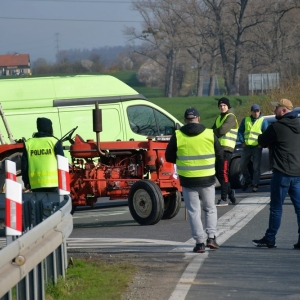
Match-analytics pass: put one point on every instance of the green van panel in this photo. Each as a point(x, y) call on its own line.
point(112, 130)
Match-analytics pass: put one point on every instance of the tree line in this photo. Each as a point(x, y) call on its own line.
point(232, 38)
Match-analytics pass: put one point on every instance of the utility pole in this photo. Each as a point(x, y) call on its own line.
point(57, 41)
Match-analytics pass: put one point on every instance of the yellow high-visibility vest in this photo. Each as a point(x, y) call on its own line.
point(42, 163)
point(252, 131)
point(195, 154)
point(228, 139)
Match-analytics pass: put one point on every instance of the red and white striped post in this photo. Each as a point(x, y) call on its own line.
point(63, 175)
point(13, 201)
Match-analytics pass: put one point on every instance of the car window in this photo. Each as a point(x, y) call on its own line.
point(145, 120)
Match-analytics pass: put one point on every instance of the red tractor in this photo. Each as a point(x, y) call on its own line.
point(133, 170)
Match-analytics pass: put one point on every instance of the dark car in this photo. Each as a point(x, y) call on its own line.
point(235, 174)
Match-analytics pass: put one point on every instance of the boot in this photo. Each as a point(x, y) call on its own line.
point(297, 246)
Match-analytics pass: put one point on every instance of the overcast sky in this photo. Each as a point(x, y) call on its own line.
point(40, 27)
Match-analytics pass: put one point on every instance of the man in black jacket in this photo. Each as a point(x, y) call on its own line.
point(283, 140)
point(194, 149)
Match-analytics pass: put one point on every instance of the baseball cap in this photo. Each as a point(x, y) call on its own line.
point(283, 103)
point(191, 113)
point(255, 107)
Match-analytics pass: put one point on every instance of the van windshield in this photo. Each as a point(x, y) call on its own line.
point(147, 121)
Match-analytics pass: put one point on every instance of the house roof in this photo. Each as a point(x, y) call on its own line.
point(10, 60)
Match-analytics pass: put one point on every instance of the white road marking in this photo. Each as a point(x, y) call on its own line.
point(228, 225)
point(73, 243)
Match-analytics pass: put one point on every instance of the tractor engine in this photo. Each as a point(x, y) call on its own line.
point(109, 175)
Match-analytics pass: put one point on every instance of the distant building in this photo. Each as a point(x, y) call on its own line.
point(14, 64)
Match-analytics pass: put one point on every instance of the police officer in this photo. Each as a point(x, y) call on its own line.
point(250, 128)
point(225, 128)
point(194, 149)
point(38, 163)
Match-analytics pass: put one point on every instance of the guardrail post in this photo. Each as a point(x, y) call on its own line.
point(63, 175)
point(13, 203)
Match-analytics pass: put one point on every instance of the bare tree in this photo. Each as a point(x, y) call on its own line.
point(160, 35)
point(233, 19)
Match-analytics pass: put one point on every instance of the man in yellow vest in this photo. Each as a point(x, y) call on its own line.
point(250, 128)
point(38, 163)
point(195, 149)
point(225, 128)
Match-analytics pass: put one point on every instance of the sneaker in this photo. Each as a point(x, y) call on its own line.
point(255, 189)
point(222, 203)
point(200, 248)
point(212, 243)
point(263, 243)
point(232, 196)
point(246, 185)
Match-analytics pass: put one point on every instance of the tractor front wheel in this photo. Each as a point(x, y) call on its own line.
point(146, 203)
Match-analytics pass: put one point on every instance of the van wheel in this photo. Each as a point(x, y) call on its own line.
point(146, 203)
point(235, 173)
point(172, 205)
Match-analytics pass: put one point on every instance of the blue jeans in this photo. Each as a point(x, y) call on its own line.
point(281, 184)
point(255, 153)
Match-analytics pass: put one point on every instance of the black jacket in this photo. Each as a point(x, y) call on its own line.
point(58, 149)
point(283, 140)
point(192, 129)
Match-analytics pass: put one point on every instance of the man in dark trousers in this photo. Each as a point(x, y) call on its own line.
point(225, 128)
point(250, 128)
point(283, 140)
point(39, 163)
point(194, 149)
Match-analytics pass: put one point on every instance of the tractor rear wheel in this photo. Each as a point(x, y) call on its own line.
point(146, 203)
point(172, 205)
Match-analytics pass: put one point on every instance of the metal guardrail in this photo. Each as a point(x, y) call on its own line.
point(40, 254)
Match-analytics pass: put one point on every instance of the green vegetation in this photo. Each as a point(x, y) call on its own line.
point(92, 279)
point(207, 106)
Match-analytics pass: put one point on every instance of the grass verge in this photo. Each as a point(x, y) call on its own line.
point(91, 278)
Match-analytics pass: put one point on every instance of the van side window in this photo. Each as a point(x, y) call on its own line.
point(145, 120)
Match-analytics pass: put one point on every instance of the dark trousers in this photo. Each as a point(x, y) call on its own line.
point(46, 190)
point(222, 173)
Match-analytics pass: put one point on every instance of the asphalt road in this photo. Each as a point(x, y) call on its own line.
point(237, 270)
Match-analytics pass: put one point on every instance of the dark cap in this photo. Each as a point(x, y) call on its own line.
point(224, 100)
point(191, 113)
point(255, 107)
point(44, 125)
